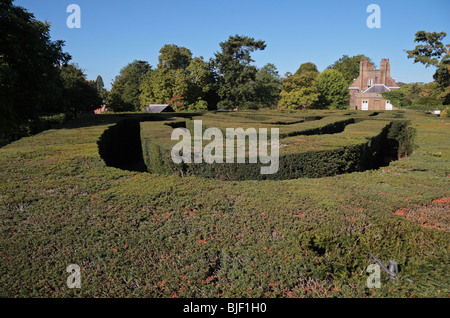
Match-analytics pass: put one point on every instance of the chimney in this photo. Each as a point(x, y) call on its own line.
point(383, 71)
point(362, 65)
point(388, 68)
point(362, 68)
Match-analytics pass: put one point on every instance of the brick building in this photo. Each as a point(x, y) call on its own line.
point(365, 91)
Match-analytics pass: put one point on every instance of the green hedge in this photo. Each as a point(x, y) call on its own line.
point(364, 145)
point(120, 144)
point(146, 235)
point(33, 127)
point(305, 126)
point(424, 107)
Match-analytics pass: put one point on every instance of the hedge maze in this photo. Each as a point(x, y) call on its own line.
point(82, 194)
point(313, 145)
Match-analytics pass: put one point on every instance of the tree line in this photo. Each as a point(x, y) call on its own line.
point(432, 53)
point(36, 78)
point(229, 80)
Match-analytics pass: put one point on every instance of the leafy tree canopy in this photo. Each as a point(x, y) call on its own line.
point(268, 86)
point(300, 91)
point(79, 94)
point(431, 52)
point(174, 57)
point(333, 89)
point(427, 96)
point(180, 80)
point(236, 75)
point(29, 68)
point(307, 67)
point(125, 91)
point(102, 92)
point(434, 53)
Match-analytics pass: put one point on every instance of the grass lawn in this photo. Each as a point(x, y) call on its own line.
point(138, 234)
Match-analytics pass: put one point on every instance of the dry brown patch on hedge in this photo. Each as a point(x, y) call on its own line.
point(435, 215)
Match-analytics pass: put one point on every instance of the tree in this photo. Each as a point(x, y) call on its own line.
point(99, 83)
point(169, 83)
point(427, 96)
point(430, 53)
point(79, 94)
point(125, 91)
point(180, 80)
point(411, 92)
point(299, 91)
point(446, 112)
point(333, 90)
point(307, 67)
point(157, 87)
point(396, 97)
point(349, 66)
point(102, 92)
point(236, 74)
point(268, 86)
point(29, 69)
point(202, 84)
point(434, 53)
point(174, 57)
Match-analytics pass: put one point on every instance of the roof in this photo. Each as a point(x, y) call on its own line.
point(377, 88)
point(158, 108)
point(390, 82)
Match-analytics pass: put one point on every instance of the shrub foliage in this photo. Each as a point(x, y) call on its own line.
point(149, 235)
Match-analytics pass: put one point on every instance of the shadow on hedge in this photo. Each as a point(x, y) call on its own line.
point(120, 146)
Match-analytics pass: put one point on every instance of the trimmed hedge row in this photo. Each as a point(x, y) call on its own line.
point(364, 145)
point(120, 144)
point(145, 235)
point(156, 145)
point(307, 126)
point(33, 127)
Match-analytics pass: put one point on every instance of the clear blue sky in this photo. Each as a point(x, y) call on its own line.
point(116, 32)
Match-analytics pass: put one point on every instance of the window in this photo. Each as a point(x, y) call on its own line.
point(370, 82)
